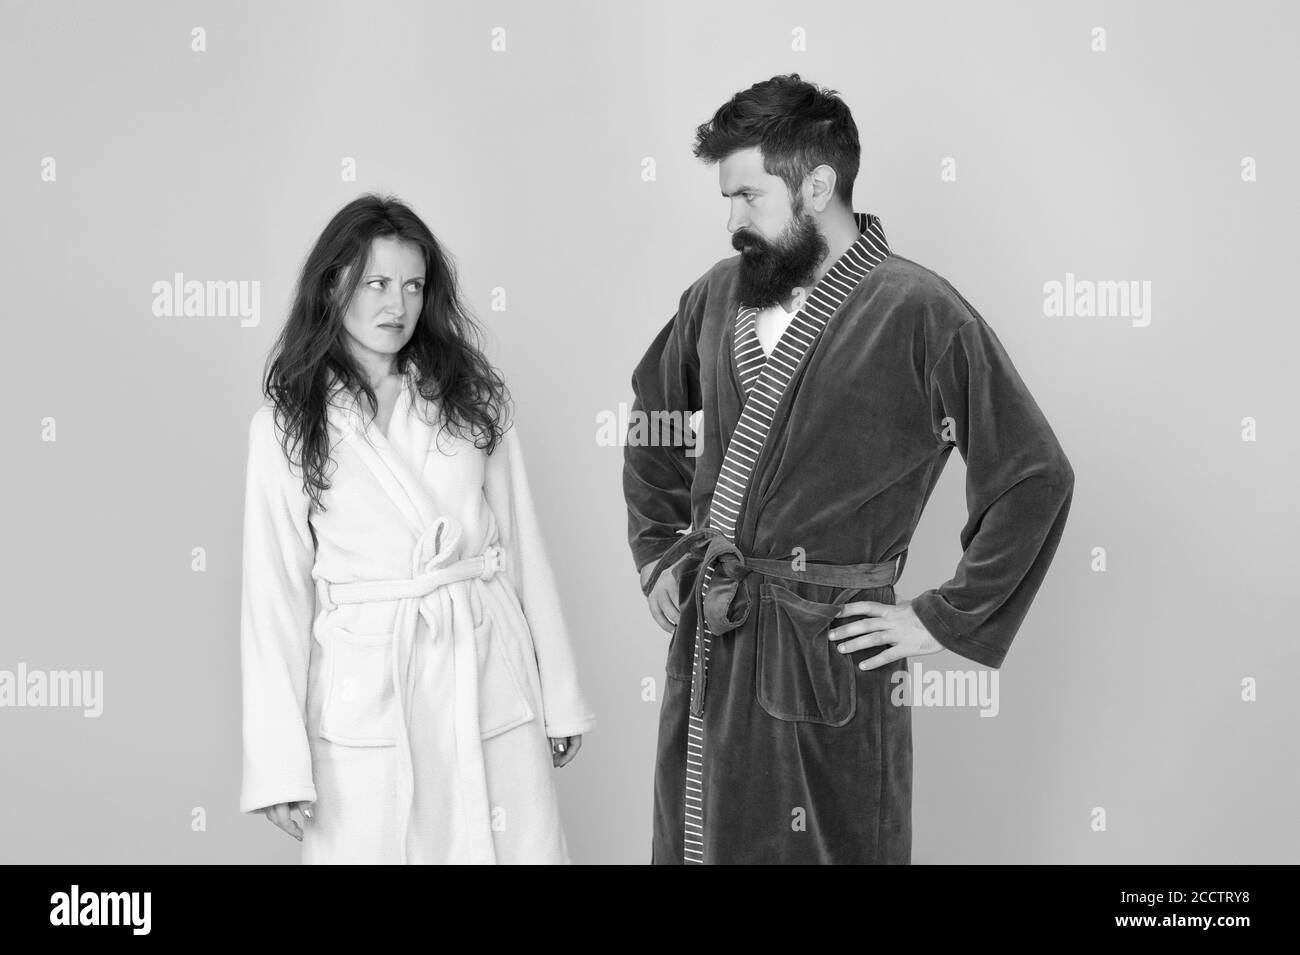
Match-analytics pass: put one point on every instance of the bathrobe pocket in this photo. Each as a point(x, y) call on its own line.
point(359, 707)
point(801, 675)
point(502, 703)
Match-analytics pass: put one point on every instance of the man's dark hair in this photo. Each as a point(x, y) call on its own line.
point(795, 124)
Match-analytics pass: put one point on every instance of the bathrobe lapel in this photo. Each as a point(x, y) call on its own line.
point(767, 382)
point(397, 461)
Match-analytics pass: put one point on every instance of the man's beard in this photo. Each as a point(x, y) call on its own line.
point(769, 270)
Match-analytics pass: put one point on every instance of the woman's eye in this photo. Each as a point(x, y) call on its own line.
point(414, 286)
point(376, 283)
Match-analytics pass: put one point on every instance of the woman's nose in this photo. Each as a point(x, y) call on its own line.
point(395, 302)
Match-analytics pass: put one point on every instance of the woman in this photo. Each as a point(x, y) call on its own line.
point(408, 682)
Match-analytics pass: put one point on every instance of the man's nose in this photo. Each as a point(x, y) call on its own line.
point(737, 219)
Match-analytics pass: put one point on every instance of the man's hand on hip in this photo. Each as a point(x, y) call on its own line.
point(895, 624)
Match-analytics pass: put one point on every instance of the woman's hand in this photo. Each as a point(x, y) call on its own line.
point(563, 749)
point(279, 816)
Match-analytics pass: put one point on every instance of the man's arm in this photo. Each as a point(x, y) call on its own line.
point(1019, 486)
point(657, 476)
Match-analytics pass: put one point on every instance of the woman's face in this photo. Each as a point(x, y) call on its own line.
point(387, 302)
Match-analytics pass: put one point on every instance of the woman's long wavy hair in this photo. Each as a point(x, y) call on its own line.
point(445, 347)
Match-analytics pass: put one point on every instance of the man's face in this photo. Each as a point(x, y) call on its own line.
point(780, 244)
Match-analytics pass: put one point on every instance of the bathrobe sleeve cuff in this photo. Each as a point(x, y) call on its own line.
point(929, 608)
point(575, 726)
point(256, 801)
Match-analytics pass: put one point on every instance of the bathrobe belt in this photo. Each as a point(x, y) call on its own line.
point(433, 569)
point(717, 603)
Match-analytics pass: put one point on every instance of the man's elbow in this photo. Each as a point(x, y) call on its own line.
point(1051, 472)
point(1061, 473)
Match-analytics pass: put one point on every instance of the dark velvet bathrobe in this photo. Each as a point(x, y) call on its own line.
point(773, 746)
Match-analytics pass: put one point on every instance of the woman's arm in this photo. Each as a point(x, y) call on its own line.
point(507, 492)
point(278, 604)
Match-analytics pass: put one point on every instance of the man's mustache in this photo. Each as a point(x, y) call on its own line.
point(742, 240)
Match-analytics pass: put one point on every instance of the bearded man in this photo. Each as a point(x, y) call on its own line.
point(834, 378)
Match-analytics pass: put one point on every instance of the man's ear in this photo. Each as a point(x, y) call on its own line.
point(822, 180)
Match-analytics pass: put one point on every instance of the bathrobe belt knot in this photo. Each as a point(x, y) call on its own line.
point(445, 590)
point(723, 600)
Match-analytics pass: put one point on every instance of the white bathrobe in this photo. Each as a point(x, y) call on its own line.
point(404, 655)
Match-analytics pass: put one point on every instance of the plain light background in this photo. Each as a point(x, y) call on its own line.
point(1123, 688)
